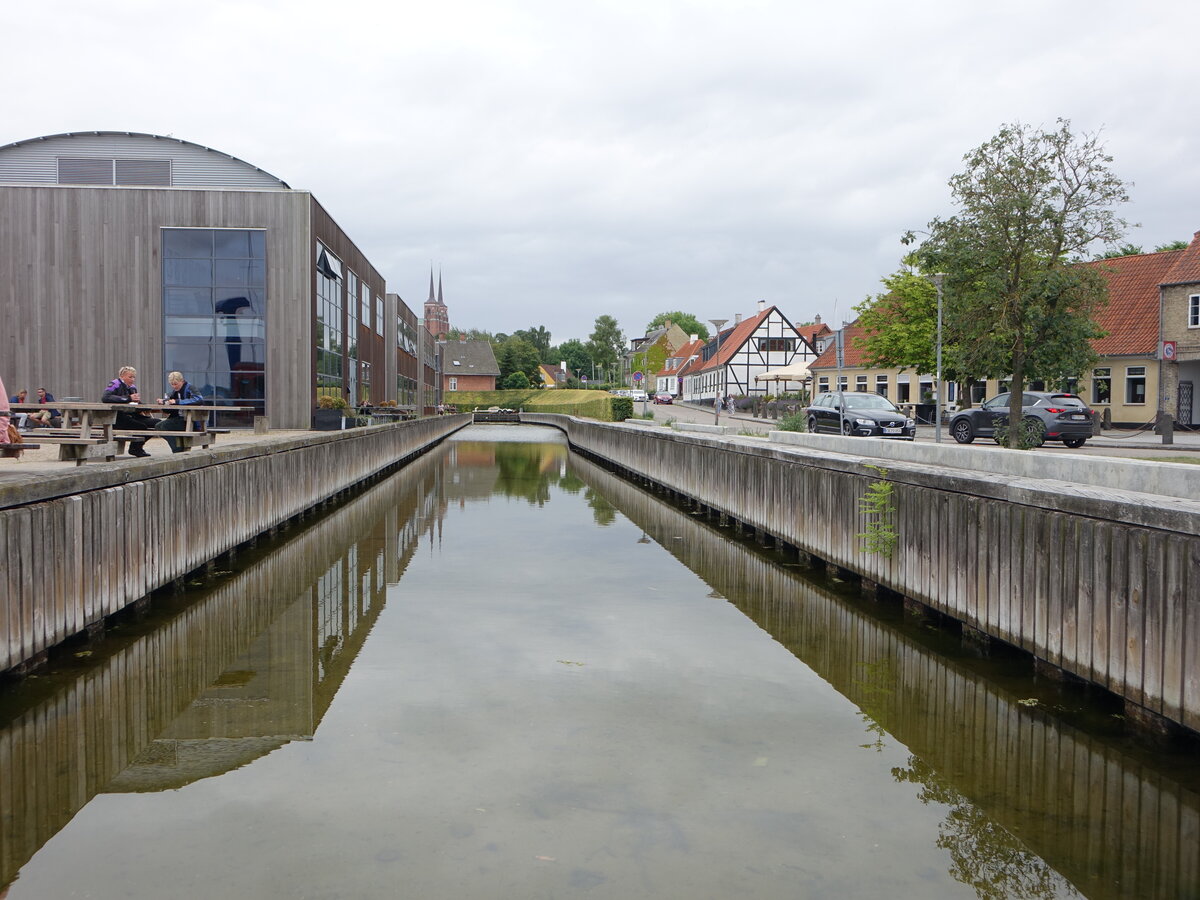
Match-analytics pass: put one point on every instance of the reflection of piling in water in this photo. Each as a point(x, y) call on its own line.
point(1102, 818)
point(253, 664)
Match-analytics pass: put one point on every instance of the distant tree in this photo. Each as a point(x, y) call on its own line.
point(574, 353)
point(1030, 204)
point(689, 323)
point(536, 335)
point(518, 355)
point(1123, 250)
point(469, 334)
point(1171, 245)
point(606, 344)
point(515, 381)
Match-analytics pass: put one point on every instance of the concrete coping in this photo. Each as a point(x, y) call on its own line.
point(707, 429)
point(1136, 475)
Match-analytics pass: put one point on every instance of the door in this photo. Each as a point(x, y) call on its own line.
point(1184, 417)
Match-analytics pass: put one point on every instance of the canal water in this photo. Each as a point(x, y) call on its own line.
point(504, 672)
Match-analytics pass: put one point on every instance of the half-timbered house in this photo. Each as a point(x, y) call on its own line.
point(728, 363)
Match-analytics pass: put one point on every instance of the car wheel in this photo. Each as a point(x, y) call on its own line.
point(1074, 442)
point(962, 431)
point(1037, 431)
point(847, 428)
point(812, 424)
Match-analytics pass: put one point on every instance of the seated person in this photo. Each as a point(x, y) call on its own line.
point(123, 390)
point(181, 395)
point(48, 417)
point(20, 419)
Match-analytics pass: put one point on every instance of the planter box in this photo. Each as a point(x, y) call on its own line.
point(328, 419)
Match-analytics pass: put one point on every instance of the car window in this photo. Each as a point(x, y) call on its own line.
point(997, 402)
point(1030, 399)
point(1064, 400)
point(868, 401)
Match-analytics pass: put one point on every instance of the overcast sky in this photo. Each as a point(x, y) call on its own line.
point(556, 161)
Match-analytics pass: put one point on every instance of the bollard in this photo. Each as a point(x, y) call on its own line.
point(262, 425)
point(1166, 427)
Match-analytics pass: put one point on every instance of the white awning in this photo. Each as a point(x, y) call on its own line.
point(797, 371)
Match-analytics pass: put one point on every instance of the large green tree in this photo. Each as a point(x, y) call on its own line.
point(537, 335)
point(518, 355)
point(606, 344)
point(689, 323)
point(1031, 204)
point(900, 324)
point(574, 353)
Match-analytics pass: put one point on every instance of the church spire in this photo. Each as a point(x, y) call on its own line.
point(441, 302)
point(430, 300)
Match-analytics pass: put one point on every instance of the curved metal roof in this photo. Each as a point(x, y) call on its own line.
point(140, 134)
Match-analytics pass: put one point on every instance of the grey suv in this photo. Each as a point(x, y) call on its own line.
point(1053, 416)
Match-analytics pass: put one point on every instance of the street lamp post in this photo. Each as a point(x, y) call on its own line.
point(717, 324)
point(937, 280)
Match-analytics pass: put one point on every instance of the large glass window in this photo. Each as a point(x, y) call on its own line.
point(881, 385)
point(1135, 384)
point(214, 294)
point(331, 337)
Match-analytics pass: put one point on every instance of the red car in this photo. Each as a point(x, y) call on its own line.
point(664, 397)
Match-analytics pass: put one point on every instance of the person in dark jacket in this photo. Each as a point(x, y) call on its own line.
point(181, 395)
point(122, 389)
point(47, 417)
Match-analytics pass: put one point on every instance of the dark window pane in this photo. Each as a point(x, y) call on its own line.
point(192, 243)
point(195, 358)
point(240, 301)
point(234, 244)
point(187, 272)
point(238, 272)
point(187, 302)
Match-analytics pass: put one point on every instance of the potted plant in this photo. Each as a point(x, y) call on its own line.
point(330, 413)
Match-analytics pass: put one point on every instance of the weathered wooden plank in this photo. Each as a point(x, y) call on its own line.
point(1135, 614)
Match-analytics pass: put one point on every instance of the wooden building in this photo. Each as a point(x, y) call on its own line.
point(136, 249)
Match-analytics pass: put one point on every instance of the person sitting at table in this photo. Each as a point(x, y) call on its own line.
point(181, 395)
point(20, 419)
point(47, 417)
point(123, 390)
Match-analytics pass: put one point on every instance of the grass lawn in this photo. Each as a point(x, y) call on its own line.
point(1193, 460)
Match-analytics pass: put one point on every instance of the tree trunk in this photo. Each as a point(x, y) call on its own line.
point(1017, 392)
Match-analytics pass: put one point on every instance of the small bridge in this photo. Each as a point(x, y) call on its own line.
point(497, 416)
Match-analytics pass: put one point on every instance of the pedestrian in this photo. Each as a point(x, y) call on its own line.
point(122, 389)
point(181, 395)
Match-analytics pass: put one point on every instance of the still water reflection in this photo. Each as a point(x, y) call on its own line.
point(504, 672)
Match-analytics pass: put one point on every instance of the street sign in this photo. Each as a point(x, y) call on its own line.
point(1168, 350)
point(583, 378)
point(637, 376)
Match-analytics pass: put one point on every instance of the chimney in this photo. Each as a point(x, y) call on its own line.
point(817, 319)
point(762, 304)
point(462, 338)
point(737, 318)
point(693, 338)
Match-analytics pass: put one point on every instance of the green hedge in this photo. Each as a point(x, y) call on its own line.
point(599, 405)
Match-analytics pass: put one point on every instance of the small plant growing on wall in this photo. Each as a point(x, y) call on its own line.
point(879, 511)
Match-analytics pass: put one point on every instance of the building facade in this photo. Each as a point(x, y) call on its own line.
point(135, 249)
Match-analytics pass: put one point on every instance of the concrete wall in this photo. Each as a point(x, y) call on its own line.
point(79, 547)
point(1100, 582)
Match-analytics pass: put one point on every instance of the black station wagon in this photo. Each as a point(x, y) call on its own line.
point(859, 413)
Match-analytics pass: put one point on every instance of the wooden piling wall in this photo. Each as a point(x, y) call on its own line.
point(1102, 584)
point(83, 545)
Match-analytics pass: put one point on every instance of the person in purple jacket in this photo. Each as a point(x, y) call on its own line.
point(122, 389)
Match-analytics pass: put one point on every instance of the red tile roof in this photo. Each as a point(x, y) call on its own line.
point(1131, 316)
point(684, 355)
point(811, 332)
point(852, 355)
point(732, 339)
point(1187, 268)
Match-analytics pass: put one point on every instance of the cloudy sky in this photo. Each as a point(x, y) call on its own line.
point(561, 160)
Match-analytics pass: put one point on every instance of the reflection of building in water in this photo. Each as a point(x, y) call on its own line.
point(253, 664)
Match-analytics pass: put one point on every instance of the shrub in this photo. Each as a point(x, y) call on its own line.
point(794, 422)
point(517, 381)
point(331, 401)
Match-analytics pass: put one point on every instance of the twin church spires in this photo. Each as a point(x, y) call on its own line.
point(437, 316)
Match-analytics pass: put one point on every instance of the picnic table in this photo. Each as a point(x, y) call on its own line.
point(89, 429)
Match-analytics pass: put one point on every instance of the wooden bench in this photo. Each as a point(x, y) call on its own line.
point(77, 449)
point(10, 451)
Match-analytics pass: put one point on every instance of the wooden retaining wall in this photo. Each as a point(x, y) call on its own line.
point(81, 546)
point(1103, 817)
point(1101, 584)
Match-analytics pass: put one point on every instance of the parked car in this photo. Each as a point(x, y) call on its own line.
point(1053, 416)
point(638, 396)
point(664, 397)
point(859, 413)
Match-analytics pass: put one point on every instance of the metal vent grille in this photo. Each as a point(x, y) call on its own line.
point(85, 171)
point(144, 171)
